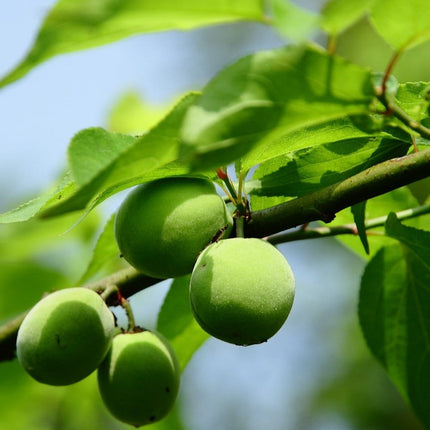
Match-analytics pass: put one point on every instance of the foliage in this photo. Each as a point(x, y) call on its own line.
point(311, 135)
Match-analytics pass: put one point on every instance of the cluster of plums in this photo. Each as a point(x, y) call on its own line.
point(241, 291)
point(70, 333)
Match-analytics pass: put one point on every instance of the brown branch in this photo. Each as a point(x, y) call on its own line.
point(322, 205)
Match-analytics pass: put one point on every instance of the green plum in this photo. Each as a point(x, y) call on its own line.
point(241, 290)
point(162, 226)
point(65, 336)
point(139, 378)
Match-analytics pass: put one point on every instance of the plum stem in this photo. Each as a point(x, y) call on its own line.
point(125, 304)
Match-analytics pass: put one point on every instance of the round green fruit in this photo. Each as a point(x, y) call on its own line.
point(241, 290)
point(139, 378)
point(65, 336)
point(162, 226)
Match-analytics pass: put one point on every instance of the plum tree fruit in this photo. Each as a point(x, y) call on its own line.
point(65, 336)
point(139, 378)
point(241, 290)
point(162, 226)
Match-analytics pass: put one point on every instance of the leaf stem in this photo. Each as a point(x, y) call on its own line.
point(231, 191)
point(389, 69)
point(125, 304)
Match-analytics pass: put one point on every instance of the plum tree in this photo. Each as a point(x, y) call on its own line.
point(65, 336)
point(241, 290)
point(161, 227)
point(139, 378)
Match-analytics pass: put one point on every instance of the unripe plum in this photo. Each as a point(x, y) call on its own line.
point(241, 290)
point(162, 226)
point(65, 336)
point(139, 378)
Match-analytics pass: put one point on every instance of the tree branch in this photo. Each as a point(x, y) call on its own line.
point(337, 230)
point(322, 205)
point(127, 282)
point(319, 205)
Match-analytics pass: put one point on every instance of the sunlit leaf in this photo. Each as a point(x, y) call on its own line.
point(93, 150)
point(263, 97)
point(401, 23)
point(105, 253)
point(310, 169)
point(291, 21)
point(337, 15)
point(176, 321)
point(74, 25)
point(29, 209)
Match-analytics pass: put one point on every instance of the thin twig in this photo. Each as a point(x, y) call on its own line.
point(326, 231)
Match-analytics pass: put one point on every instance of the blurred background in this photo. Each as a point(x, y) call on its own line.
point(316, 373)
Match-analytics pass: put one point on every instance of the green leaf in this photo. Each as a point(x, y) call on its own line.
point(74, 25)
point(35, 238)
point(105, 253)
point(359, 213)
point(413, 98)
point(416, 249)
point(337, 15)
point(176, 321)
point(262, 98)
point(291, 21)
point(383, 312)
point(29, 209)
point(310, 169)
point(420, 190)
point(325, 132)
point(93, 150)
point(402, 24)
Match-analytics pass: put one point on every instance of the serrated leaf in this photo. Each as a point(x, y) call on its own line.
point(414, 99)
point(383, 312)
point(176, 321)
point(28, 210)
point(337, 15)
point(416, 352)
point(105, 253)
point(74, 25)
point(314, 135)
point(310, 169)
point(93, 150)
point(402, 24)
point(264, 97)
point(291, 21)
point(359, 213)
